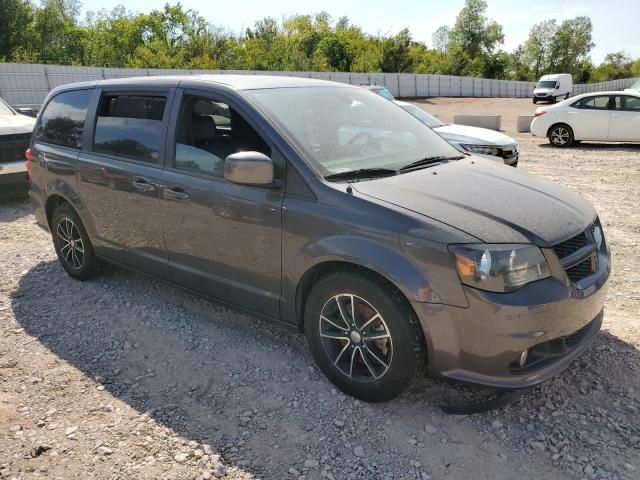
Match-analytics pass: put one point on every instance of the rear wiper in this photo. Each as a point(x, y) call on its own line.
point(428, 161)
point(362, 173)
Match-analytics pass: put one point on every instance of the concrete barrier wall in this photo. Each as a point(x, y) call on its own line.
point(27, 84)
point(524, 123)
point(493, 122)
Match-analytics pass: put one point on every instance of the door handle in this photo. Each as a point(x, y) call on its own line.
point(143, 185)
point(176, 192)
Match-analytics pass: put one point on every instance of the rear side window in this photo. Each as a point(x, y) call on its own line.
point(130, 126)
point(62, 121)
point(628, 103)
point(595, 103)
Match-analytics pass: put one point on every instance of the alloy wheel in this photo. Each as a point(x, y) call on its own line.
point(560, 136)
point(70, 243)
point(356, 338)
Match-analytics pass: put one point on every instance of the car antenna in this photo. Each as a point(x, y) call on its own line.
point(349, 189)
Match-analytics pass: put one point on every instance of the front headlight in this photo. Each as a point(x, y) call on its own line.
point(481, 149)
point(499, 268)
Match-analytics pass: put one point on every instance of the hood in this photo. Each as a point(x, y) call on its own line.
point(12, 124)
point(473, 135)
point(492, 202)
point(543, 90)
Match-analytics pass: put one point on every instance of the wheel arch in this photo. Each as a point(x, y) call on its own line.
point(60, 192)
point(322, 269)
point(564, 124)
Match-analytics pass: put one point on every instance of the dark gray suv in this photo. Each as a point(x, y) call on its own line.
point(330, 208)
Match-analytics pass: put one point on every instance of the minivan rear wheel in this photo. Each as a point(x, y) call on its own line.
point(561, 135)
point(363, 337)
point(72, 244)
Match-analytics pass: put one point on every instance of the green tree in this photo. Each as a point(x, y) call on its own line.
point(395, 53)
point(570, 45)
point(472, 47)
point(441, 38)
point(537, 48)
point(615, 65)
point(16, 17)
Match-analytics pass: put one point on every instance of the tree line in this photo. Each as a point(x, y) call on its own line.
point(174, 37)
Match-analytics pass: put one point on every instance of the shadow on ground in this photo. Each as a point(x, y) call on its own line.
point(195, 367)
point(604, 147)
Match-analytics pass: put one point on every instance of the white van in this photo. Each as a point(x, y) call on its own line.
point(553, 87)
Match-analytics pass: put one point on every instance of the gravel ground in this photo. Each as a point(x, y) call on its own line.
point(126, 377)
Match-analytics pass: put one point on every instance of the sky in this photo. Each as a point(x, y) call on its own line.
point(615, 22)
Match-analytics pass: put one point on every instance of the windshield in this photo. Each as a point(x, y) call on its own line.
point(425, 117)
point(547, 84)
point(636, 86)
point(341, 129)
point(5, 109)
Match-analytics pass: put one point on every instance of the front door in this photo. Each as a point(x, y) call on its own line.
point(222, 239)
point(119, 179)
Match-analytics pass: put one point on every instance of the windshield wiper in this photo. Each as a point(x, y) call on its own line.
point(362, 173)
point(429, 161)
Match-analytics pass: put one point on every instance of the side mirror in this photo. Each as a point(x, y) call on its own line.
point(557, 87)
point(249, 168)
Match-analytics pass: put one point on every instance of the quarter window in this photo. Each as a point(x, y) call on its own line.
point(131, 126)
point(208, 131)
point(62, 121)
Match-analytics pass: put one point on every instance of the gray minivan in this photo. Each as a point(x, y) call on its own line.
point(329, 208)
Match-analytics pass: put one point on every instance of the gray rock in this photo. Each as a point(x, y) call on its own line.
point(180, 457)
point(102, 450)
point(219, 471)
point(311, 463)
point(430, 429)
point(358, 452)
point(295, 473)
point(538, 446)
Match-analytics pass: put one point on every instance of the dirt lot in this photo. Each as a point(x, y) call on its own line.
point(123, 377)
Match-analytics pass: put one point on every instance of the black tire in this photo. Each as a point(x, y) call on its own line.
point(535, 101)
point(561, 135)
point(353, 362)
point(72, 244)
point(566, 97)
point(554, 99)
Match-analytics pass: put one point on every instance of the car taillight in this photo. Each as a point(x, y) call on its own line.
point(538, 113)
point(27, 156)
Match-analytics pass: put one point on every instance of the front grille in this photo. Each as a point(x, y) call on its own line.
point(570, 246)
point(578, 255)
point(12, 147)
point(580, 270)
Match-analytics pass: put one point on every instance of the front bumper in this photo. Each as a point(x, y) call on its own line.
point(14, 181)
point(553, 319)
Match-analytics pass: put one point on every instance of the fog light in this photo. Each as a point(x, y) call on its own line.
point(523, 358)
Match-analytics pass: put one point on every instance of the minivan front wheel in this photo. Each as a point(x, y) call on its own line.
point(561, 136)
point(72, 244)
point(363, 337)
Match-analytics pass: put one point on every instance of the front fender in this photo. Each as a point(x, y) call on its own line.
point(412, 281)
